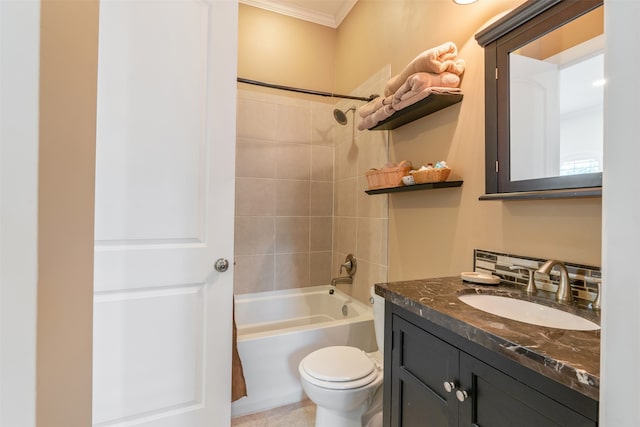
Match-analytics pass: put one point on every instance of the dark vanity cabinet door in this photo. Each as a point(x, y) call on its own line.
point(421, 363)
point(417, 366)
point(498, 400)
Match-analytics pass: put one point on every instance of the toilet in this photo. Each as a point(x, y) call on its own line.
point(342, 380)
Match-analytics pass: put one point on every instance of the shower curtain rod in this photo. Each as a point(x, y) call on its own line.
point(307, 91)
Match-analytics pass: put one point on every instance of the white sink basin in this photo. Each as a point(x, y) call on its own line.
point(528, 312)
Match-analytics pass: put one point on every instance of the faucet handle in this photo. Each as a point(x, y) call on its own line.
point(531, 285)
point(350, 265)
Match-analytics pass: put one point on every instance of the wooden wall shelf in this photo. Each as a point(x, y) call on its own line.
point(429, 105)
point(416, 187)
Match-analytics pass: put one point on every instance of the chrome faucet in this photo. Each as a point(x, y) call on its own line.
point(350, 265)
point(563, 294)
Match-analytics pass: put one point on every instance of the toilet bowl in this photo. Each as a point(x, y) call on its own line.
point(342, 380)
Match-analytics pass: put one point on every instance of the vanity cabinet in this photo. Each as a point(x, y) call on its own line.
point(432, 379)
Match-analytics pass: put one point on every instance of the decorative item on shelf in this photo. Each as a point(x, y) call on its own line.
point(389, 176)
point(408, 180)
point(428, 174)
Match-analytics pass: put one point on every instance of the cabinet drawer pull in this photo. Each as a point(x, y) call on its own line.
point(461, 395)
point(449, 386)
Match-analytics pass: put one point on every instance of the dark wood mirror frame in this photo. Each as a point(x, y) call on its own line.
point(527, 22)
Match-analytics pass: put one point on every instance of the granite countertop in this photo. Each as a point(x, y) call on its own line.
point(569, 357)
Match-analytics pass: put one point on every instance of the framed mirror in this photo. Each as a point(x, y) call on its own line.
point(544, 86)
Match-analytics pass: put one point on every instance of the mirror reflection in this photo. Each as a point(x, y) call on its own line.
point(556, 88)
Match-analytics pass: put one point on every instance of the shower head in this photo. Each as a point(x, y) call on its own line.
point(341, 116)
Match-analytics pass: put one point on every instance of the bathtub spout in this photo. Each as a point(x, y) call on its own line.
point(344, 279)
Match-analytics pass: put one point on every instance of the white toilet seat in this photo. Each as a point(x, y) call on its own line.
point(339, 368)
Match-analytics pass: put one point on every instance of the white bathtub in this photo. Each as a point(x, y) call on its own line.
point(277, 329)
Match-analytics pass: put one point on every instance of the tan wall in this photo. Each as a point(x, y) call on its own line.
point(68, 69)
point(433, 233)
point(376, 33)
point(287, 51)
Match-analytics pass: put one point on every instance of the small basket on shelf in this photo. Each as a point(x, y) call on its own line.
point(431, 175)
point(386, 178)
point(389, 176)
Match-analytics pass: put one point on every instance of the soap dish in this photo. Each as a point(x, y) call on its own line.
point(481, 278)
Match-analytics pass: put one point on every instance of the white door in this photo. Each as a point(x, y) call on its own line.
point(164, 212)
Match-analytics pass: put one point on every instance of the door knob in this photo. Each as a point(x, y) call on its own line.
point(221, 265)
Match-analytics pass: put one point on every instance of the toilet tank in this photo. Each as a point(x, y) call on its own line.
point(378, 318)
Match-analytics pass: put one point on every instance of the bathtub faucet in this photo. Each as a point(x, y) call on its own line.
point(350, 265)
point(344, 279)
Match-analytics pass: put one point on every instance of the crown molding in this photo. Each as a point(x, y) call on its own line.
point(344, 11)
point(305, 14)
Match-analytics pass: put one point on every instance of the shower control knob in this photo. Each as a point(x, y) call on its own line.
point(221, 265)
point(449, 386)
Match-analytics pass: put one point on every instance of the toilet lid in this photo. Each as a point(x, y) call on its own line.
point(339, 364)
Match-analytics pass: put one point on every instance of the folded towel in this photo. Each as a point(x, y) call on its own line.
point(435, 60)
point(411, 98)
point(374, 105)
point(418, 82)
point(373, 119)
point(406, 99)
point(238, 384)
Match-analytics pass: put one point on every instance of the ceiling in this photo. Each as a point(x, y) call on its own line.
point(324, 12)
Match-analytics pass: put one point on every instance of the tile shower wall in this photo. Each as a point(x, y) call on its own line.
point(284, 192)
point(360, 221)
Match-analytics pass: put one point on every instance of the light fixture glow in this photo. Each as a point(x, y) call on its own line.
point(599, 83)
point(464, 1)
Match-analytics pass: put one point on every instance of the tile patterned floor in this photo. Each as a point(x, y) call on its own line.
point(302, 414)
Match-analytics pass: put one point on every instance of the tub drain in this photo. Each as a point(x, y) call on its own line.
point(345, 310)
